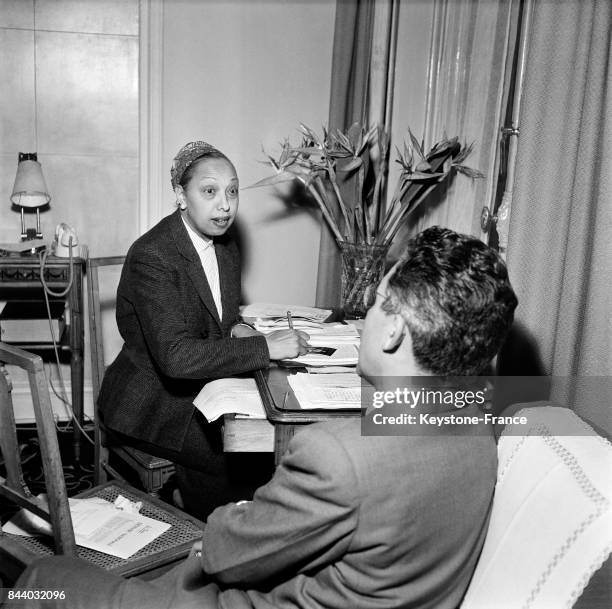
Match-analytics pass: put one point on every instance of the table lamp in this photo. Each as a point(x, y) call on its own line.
point(30, 191)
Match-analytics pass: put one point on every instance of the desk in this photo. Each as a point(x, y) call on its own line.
point(283, 417)
point(20, 278)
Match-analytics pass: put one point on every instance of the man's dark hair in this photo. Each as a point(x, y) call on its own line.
point(454, 294)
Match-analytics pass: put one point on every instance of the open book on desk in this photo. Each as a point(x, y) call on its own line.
point(230, 396)
point(326, 391)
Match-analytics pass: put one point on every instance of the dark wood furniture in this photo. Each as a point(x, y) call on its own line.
point(16, 552)
point(152, 471)
point(283, 413)
point(20, 278)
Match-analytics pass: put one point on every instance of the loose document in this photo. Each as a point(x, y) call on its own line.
point(230, 396)
point(326, 391)
point(112, 528)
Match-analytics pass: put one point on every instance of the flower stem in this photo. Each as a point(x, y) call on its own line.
point(407, 210)
point(324, 210)
point(393, 212)
point(341, 204)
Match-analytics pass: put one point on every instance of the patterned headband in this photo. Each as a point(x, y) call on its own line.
point(186, 156)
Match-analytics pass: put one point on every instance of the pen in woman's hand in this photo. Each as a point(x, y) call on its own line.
point(290, 320)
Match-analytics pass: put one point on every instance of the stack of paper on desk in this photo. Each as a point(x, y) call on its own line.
point(330, 369)
point(344, 355)
point(342, 337)
point(331, 391)
point(332, 335)
point(280, 323)
point(230, 396)
point(260, 310)
point(321, 334)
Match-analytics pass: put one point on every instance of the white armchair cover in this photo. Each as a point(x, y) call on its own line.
point(551, 523)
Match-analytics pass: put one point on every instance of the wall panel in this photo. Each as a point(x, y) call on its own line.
point(17, 13)
point(70, 75)
point(17, 109)
point(87, 93)
point(91, 16)
point(241, 75)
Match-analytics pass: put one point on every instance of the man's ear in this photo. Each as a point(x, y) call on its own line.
point(395, 333)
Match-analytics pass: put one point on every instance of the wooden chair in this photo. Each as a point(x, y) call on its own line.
point(17, 552)
point(153, 472)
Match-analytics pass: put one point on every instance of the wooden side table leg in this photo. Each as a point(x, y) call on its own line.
point(282, 434)
point(77, 338)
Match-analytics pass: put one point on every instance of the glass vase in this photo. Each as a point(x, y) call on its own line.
point(363, 266)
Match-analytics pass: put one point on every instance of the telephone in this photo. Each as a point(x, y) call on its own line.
point(65, 242)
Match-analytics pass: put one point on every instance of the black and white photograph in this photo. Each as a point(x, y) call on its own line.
point(306, 304)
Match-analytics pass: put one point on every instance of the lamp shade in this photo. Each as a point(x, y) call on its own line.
point(30, 189)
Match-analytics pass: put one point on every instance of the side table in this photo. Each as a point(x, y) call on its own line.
point(20, 278)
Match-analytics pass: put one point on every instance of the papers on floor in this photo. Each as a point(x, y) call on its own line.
point(230, 396)
point(329, 391)
point(98, 524)
point(262, 310)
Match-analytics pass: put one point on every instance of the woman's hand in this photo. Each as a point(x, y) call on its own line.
point(240, 330)
point(286, 344)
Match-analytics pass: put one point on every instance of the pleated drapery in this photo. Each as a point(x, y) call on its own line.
point(560, 241)
point(348, 99)
point(468, 79)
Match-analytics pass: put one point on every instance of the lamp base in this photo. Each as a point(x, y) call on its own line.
point(30, 234)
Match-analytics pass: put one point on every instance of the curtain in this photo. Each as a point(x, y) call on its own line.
point(470, 44)
point(348, 99)
point(560, 240)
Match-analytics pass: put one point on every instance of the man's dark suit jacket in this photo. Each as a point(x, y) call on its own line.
point(173, 338)
point(356, 521)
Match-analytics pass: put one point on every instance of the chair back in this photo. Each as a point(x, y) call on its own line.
point(101, 301)
point(13, 487)
point(102, 279)
point(551, 521)
point(16, 552)
point(103, 275)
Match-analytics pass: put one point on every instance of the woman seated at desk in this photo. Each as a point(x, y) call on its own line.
point(177, 311)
